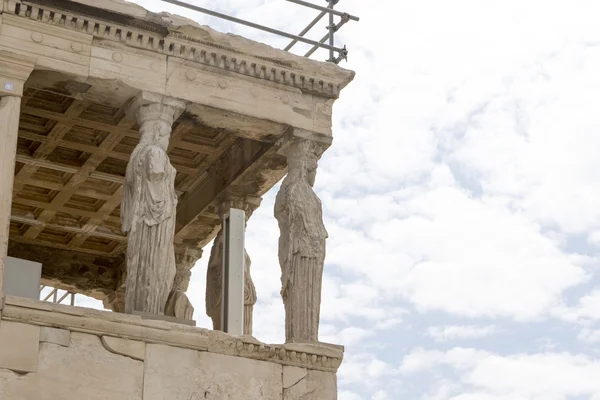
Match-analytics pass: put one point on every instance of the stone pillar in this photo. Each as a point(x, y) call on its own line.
point(178, 304)
point(14, 71)
point(214, 293)
point(302, 240)
point(149, 207)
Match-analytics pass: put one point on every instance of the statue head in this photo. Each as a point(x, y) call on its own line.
point(155, 121)
point(156, 132)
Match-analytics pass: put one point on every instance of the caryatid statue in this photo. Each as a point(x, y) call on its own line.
point(214, 289)
point(178, 304)
point(301, 243)
point(148, 213)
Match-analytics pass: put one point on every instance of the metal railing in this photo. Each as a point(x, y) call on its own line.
point(52, 296)
point(342, 52)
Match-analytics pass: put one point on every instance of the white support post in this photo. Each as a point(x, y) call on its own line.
point(232, 306)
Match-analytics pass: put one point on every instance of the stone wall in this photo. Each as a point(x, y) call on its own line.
point(50, 351)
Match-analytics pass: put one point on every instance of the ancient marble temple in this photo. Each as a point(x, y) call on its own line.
point(127, 136)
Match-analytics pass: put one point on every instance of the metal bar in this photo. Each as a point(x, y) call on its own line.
point(64, 296)
point(324, 38)
point(326, 9)
point(72, 299)
point(232, 303)
point(55, 295)
point(305, 30)
point(49, 295)
point(331, 28)
point(253, 25)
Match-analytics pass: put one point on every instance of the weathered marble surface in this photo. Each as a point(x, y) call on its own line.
point(179, 305)
point(9, 127)
point(213, 296)
point(202, 375)
point(250, 296)
point(85, 370)
point(125, 347)
point(188, 28)
point(19, 346)
point(121, 356)
point(14, 71)
point(303, 384)
point(148, 212)
point(185, 259)
point(302, 239)
point(61, 337)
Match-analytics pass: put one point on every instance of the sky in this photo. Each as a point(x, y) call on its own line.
point(461, 196)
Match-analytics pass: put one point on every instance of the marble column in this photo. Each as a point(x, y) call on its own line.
point(14, 71)
point(302, 241)
point(214, 293)
point(149, 206)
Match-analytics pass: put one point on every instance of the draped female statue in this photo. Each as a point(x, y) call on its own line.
point(302, 238)
point(148, 214)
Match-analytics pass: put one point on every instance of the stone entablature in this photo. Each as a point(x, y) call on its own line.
point(45, 346)
point(173, 56)
point(177, 37)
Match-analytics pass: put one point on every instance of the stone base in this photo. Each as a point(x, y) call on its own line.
point(167, 318)
point(51, 351)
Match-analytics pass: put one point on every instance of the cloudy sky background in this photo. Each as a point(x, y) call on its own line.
point(461, 195)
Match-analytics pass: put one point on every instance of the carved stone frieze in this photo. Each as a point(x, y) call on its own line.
point(318, 356)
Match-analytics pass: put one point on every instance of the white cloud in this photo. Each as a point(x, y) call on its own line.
point(460, 332)
point(589, 335)
point(444, 249)
point(586, 310)
point(365, 370)
point(348, 395)
point(483, 375)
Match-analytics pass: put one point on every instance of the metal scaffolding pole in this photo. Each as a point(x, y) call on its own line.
point(305, 30)
point(326, 9)
point(253, 25)
point(332, 28)
point(324, 38)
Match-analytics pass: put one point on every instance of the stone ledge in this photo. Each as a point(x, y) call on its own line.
point(104, 323)
point(312, 356)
